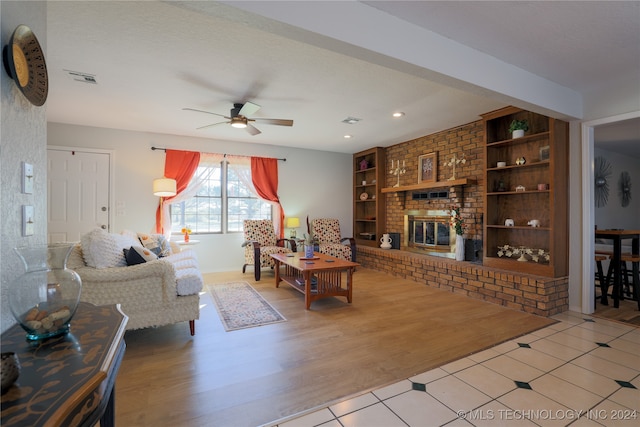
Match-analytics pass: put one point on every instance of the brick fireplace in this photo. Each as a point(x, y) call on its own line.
point(416, 261)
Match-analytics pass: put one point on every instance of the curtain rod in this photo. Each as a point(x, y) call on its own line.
point(225, 154)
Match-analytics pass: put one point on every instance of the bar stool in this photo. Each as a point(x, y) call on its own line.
point(633, 274)
point(600, 277)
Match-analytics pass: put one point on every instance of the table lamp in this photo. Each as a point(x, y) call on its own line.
point(293, 223)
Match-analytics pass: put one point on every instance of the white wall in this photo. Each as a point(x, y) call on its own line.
point(609, 100)
point(613, 215)
point(314, 183)
point(22, 139)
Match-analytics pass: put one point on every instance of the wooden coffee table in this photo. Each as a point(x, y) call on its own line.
point(316, 278)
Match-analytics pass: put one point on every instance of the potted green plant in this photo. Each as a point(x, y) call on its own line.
point(518, 128)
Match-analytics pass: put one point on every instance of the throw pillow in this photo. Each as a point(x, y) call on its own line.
point(137, 255)
point(156, 243)
point(103, 250)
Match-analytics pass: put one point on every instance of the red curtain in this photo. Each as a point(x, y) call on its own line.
point(179, 165)
point(264, 174)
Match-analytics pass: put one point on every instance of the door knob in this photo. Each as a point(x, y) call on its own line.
point(104, 209)
point(103, 226)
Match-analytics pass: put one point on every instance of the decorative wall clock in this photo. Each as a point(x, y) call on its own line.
point(624, 188)
point(24, 62)
point(601, 173)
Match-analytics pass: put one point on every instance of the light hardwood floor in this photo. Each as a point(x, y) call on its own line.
point(394, 329)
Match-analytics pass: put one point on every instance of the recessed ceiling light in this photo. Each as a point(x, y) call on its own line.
point(398, 114)
point(348, 136)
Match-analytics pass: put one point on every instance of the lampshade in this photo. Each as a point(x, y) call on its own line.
point(293, 222)
point(164, 187)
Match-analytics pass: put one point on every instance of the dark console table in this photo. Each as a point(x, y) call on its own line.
point(67, 380)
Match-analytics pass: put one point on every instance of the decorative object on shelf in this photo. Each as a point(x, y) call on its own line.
point(293, 223)
point(534, 223)
point(44, 299)
point(522, 252)
point(543, 187)
point(453, 162)
point(9, 370)
point(624, 188)
point(364, 182)
point(509, 222)
point(428, 167)
point(521, 189)
point(520, 161)
point(501, 187)
point(364, 164)
point(24, 62)
point(186, 231)
point(518, 128)
point(364, 196)
point(501, 164)
point(398, 171)
point(385, 241)
point(601, 173)
point(544, 153)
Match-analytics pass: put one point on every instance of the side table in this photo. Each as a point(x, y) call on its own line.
point(67, 380)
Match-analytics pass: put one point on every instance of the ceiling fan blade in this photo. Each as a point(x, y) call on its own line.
point(208, 112)
point(211, 125)
point(249, 109)
point(252, 129)
point(279, 122)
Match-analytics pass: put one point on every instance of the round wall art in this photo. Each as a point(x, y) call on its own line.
point(624, 188)
point(24, 62)
point(601, 173)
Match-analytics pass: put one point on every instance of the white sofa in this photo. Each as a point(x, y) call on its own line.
point(157, 292)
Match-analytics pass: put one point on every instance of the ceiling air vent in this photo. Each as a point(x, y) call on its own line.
point(351, 120)
point(82, 77)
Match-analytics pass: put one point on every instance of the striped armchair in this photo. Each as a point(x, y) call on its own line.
point(260, 241)
point(327, 233)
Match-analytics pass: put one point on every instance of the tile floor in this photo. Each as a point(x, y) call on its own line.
point(582, 371)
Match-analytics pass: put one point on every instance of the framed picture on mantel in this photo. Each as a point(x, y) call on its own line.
point(428, 167)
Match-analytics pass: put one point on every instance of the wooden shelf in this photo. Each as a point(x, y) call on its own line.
point(427, 185)
point(369, 216)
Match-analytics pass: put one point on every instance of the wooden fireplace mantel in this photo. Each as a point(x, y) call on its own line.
point(428, 185)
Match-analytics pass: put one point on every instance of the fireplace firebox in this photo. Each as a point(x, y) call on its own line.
point(429, 232)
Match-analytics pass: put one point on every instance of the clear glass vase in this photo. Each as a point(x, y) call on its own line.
point(44, 299)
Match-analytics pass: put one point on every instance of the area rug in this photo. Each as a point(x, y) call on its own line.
point(240, 306)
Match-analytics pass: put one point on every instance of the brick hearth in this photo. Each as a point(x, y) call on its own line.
point(539, 295)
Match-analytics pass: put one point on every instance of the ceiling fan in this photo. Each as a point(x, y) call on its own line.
point(239, 118)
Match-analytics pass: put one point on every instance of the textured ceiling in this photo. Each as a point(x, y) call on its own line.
point(152, 59)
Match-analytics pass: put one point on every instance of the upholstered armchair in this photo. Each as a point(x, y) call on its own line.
point(326, 231)
point(260, 241)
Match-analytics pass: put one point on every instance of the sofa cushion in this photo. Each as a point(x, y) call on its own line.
point(156, 243)
point(138, 254)
point(104, 250)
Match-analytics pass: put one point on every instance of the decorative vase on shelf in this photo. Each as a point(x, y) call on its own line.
point(459, 248)
point(518, 133)
point(186, 237)
point(385, 241)
point(44, 299)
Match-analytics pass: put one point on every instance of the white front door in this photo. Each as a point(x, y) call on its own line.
point(77, 193)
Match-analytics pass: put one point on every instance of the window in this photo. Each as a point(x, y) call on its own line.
point(218, 199)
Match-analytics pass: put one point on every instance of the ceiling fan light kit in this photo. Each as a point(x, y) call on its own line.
point(239, 118)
